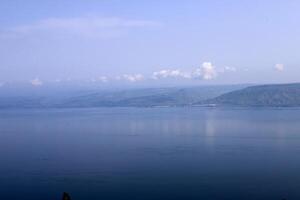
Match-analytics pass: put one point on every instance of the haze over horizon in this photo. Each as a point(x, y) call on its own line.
point(143, 43)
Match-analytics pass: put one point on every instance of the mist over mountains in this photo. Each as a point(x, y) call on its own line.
point(276, 95)
point(77, 97)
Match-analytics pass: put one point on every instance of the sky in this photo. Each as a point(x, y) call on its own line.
point(139, 42)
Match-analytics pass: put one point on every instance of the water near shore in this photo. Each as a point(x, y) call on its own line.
point(154, 153)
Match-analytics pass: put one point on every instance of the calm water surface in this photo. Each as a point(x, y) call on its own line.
point(155, 153)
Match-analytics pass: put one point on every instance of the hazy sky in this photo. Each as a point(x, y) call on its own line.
point(109, 41)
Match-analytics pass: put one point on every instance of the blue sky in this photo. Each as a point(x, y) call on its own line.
point(153, 42)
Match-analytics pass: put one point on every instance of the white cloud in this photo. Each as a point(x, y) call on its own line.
point(226, 69)
point(231, 69)
point(279, 67)
point(88, 26)
point(103, 79)
point(166, 73)
point(131, 77)
point(206, 72)
point(36, 82)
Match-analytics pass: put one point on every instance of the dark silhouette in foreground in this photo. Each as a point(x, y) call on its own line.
point(66, 196)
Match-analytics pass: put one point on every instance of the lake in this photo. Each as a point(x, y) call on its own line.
point(150, 153)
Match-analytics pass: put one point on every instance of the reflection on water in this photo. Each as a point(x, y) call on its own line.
point(159, 153)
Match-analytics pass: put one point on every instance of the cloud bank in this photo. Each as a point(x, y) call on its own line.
point(131, 77)
point(206, 72)
point(279, 67)
point(103, 79)
point(167, 73)
point(36, 82)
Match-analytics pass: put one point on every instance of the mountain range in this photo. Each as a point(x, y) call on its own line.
point(275, 95)
point(143, 97)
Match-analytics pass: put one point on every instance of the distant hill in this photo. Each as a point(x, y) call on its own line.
point(148, 97)
point(277, 95)
point(151, 97)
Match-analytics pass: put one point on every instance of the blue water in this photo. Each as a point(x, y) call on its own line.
point(154, 153)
